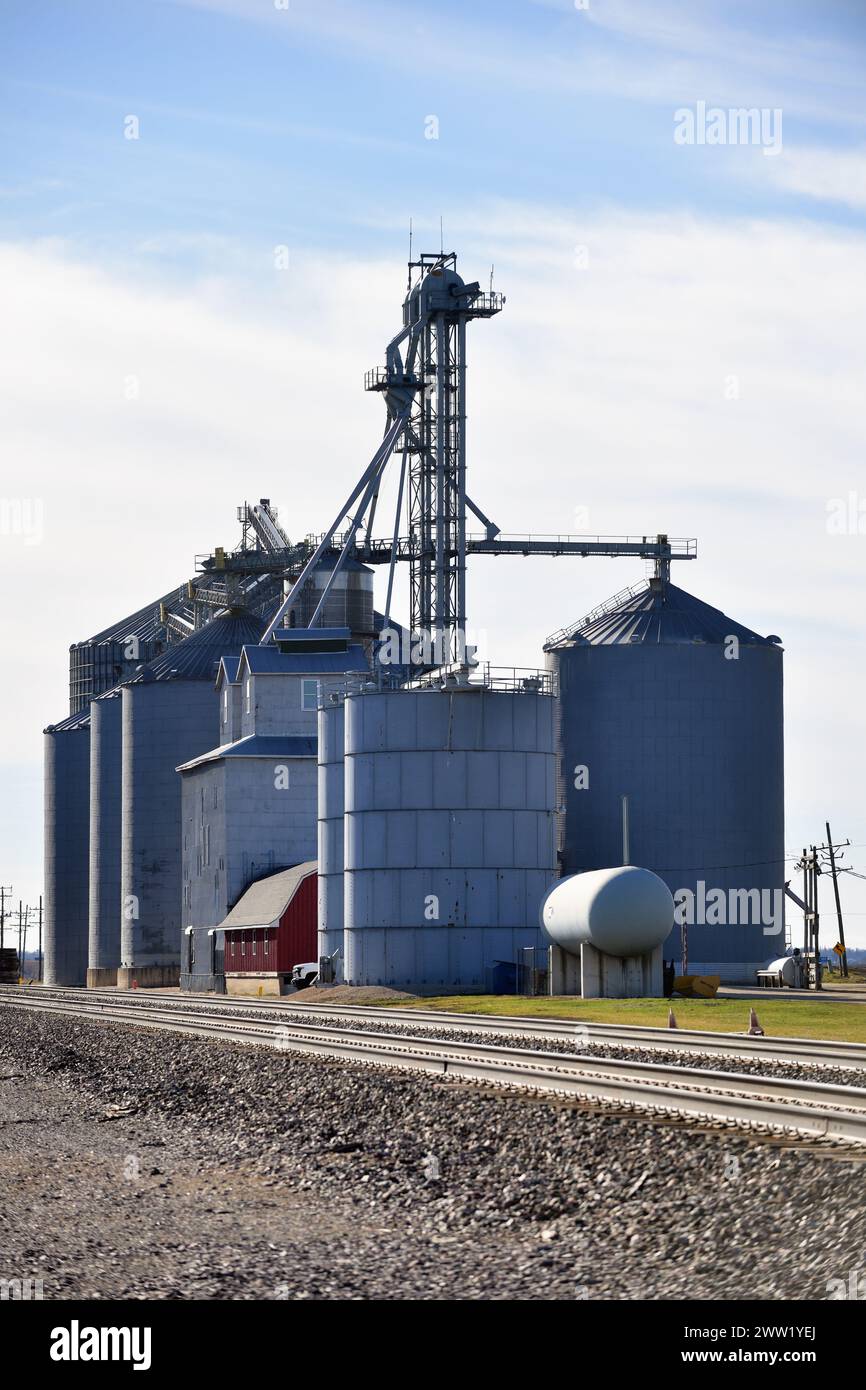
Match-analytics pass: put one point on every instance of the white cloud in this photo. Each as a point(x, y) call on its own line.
point(602, 388)
point(831, 175)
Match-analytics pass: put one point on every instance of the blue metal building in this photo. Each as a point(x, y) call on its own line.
point(249, 805)
point(665, 699)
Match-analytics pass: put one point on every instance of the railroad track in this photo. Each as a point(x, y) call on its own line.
point(797, 1051)
point(771, 1105)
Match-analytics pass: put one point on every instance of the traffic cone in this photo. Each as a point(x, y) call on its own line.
point(755, 1029)
point(672, 1022)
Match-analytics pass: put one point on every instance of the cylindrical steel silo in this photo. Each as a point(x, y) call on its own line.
point(170, 716)
point(67, 824)
point(103, 957)
point(449, 844)
point(672, 703)
point(349, 603)
point(331, 832)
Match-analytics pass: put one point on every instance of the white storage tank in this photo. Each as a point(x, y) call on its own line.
point(626, 911)
point(788, 969)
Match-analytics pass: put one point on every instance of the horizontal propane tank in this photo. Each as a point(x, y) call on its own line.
point(623, 912)
point(788, 968)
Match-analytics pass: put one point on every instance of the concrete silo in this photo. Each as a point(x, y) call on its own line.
point(449, 831)
point(106, 726)
point(669, 701)
point(67, 824)
point(170, 715)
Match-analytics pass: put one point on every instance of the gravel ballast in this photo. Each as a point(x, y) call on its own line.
point(139, 1164)
point(579, 1044)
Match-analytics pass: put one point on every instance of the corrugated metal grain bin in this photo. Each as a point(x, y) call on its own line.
point(449, 837)
point(103, 957)
point(67, 833)
point(331, 830)
point(170, 715)
point(673, 703)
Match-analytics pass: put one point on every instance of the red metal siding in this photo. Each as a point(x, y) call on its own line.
point(298, 931)
point(250, 950)
point(294, 941)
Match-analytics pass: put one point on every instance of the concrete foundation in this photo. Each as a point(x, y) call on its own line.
point(621, 977)
point(148, 976)
point(269, 985)
point(563, 972)
point(101, 977)
point(595, 975)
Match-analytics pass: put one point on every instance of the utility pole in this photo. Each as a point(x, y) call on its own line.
point(831, 849)
point(20, 950)
point(811, 869)
point(40, 938)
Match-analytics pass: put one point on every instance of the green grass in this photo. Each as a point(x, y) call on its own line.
point(790, 1018)
point(856, 977)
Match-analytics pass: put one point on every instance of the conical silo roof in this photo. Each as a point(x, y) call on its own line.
point(197, 657)
point(657, 613)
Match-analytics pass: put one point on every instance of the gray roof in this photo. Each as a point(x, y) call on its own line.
point(258, 746)
point(198, 656)
point(269, 660)
point(145, 622)
point(229, 666)
point(658, 613)
point(81, 720)
point(264, 902)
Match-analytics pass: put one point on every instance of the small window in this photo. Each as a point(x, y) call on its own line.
point(267, 943)
point(309, 694)
point(226, 704)
point(233, 945)
point(248, 690)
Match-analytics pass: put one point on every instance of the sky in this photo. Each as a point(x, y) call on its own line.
point(204, 225)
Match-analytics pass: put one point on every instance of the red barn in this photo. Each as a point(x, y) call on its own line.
point(271, 928)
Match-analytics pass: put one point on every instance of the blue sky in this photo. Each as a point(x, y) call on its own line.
point(643, 278)
point(306, 124)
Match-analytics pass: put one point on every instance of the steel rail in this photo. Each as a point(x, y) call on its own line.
point(802, 1051)
point(775, 1104)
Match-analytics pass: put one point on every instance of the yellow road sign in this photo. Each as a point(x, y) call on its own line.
point(839, 949)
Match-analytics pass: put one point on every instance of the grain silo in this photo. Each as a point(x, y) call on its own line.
point(672, 703)
point(67, 794)
point(331, 805)
point(103, 956)
point(449, 830)
point(170, 715)
point(349, 603)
